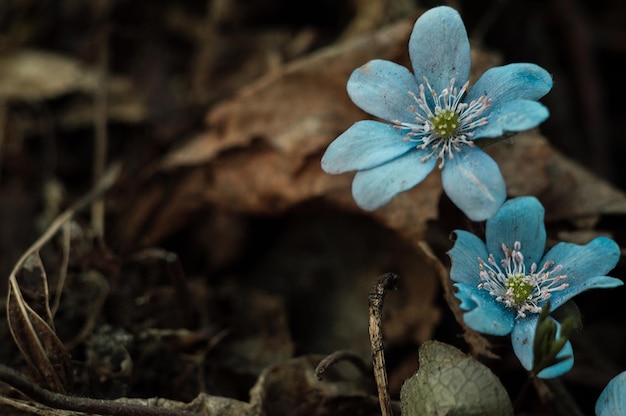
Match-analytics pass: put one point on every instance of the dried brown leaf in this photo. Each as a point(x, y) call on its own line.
point(32, 75)
point(46, 355)
point(292, 388)
point(33, 283)
point(298, 109)
point(531, 166)
point(261, 153)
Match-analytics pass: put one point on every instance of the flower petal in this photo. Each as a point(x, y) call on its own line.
point(519, 219)
point(596, 282)
point(512, 116)
point(585, 267)
point(472, 180)
point(439, 48)
point(512, 82)
point(464, 256)
point(612, 400)
point(485, 314)
point(523, 338)
point(366, 144)
point(381, 88)
point(375, 187)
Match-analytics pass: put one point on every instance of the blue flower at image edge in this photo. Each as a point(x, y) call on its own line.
point(433, 119)
point(504, 282)
point(612, 400)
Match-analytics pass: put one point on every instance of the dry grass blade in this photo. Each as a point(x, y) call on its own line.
point(42, 349)
point(33, 283)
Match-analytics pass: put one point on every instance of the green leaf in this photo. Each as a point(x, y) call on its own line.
point(450, 382)
point(547, 345)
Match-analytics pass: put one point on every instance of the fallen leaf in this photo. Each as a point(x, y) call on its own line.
point(292, 388)
point(47, 357)
point(449, 382)
point(33, 75)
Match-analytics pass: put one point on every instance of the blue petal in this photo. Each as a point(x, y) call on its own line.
point(464, 257)
point(439, 48)
point(512, 116)
point(612, 400)
point(512, 82)
point(375, 187)
point(474, 183)
point(585, 267)
point(485, 314)
point(519, 219)
point(523, 338)
point(465, 294)
point(366, 144)
point(596, 282)
point(381, 88)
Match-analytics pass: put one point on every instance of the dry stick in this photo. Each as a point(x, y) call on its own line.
point(63, 269)
point(3, 119)
point(107, 181)
point(376, 296)
point(341, 355)
point(81, 404)
point(100, 128)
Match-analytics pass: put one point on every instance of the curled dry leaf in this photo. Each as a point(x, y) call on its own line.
point(44, 352)
point(567, 190)
point(292, 388)
point(33, 75)
point(261, 153)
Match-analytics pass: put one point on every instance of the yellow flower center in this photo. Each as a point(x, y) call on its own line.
point(445, 123)
point(519, 289)
point(511, 284)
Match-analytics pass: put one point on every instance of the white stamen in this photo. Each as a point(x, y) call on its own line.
point(443, 124)
point(510, 284)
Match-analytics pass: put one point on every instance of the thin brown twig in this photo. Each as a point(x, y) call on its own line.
point(107, 180)
point(100, 128)
point(3, 119)
point(376, 296)
point(341, 355)
point(81, 404)
point(65, 261)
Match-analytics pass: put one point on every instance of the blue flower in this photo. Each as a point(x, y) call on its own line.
point(612, 400)
point(503, 283)
point(433, 117)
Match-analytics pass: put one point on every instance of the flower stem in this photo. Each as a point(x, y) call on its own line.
point(523, 391)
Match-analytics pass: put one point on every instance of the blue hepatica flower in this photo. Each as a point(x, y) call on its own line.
point(503, 283)
point(432, 117)
point(612, 400)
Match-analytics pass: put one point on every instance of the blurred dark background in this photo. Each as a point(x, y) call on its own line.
point(162, 46)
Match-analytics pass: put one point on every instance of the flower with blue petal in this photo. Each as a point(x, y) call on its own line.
point(612, 400)
point(432, 118)
point(504, 282)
